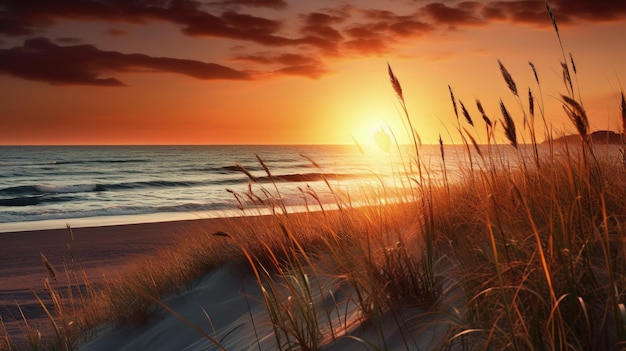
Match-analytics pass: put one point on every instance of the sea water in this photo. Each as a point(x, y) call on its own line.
point(49, 186)
point(43, 187)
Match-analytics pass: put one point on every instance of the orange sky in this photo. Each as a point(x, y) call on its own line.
point(292, 72)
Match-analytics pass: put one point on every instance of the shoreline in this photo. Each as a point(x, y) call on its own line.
point(149, 218)
point(112, 221)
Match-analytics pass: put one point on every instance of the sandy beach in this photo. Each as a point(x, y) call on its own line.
point(102, 251)
point(223, 304)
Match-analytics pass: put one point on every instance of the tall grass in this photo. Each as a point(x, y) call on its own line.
point(524, 250)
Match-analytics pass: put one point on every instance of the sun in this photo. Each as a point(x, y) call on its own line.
point(382, 139)
point(374, 136)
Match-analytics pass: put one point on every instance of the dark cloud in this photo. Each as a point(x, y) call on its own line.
point(41, 60)
point(285, 59)
point(597, 11)
point(376, 31)
point(461, 14)
point(310, 71)
point(365, 39)
point(115, 32)
point(274, 4)
point(406, 26)
point(321, 24)
point(293, 64)
point(522, 11)
point(566, 11)
point(318, 30)
point(30, 17)
point(68, 40)
point(234, 26)
point(18, 18)
point(198, 18)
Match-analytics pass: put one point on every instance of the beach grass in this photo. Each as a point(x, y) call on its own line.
point(526, 253)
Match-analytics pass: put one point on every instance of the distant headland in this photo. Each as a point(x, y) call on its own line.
point(597, 137)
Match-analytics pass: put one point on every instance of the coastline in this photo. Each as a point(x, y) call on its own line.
point(150, 218)
point(113, 221)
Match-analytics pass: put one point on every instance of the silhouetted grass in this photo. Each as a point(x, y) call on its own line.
point(524, 250)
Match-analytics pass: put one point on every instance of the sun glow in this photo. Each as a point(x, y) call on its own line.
point(375, 135)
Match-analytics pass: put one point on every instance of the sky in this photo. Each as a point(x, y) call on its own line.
point(298, 72)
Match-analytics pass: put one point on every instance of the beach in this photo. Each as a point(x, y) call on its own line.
point(427, 272)
point(102, 251)
point(224, 303)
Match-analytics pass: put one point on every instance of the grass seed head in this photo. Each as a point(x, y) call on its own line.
point(532, 66)
point(395, 83)
point(531, 103)
point(509, 125)
point(466, 114)
point(577, 115)
point(508, 79)
point(552, 18)
point(456, 110)
point(567, 78)
point(484, 115)
point(571, 58)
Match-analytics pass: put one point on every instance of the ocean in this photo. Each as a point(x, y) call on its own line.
point(46, 187)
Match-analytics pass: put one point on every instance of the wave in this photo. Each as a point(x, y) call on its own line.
point(310, 177)
point(196, 207)
point(29, 193)
point(256, 167)
point(77, 162)
point(307, 177)
point(63, 189)
point(23, 201)
point(20, 201)
point(292, 177)
point(149, 184)
point(240, 168)
point(41, 189)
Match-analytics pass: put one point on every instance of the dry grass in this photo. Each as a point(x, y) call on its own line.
point(537, 251)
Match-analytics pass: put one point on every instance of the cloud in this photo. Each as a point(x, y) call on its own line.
point(200, 18)
point(116, 32)
point(365, 39)
point(41, 60)
point(68, 40)
point(234, 26)
point(522, 11)
point(462, 14)
point(375, 32)
point(336, 32)
point(318, 30)
point(292, 64)
point(401, 25)
point(274, 4)
point(596, 11)
point(310, 71)
point(566, 11)
point(17, 18)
